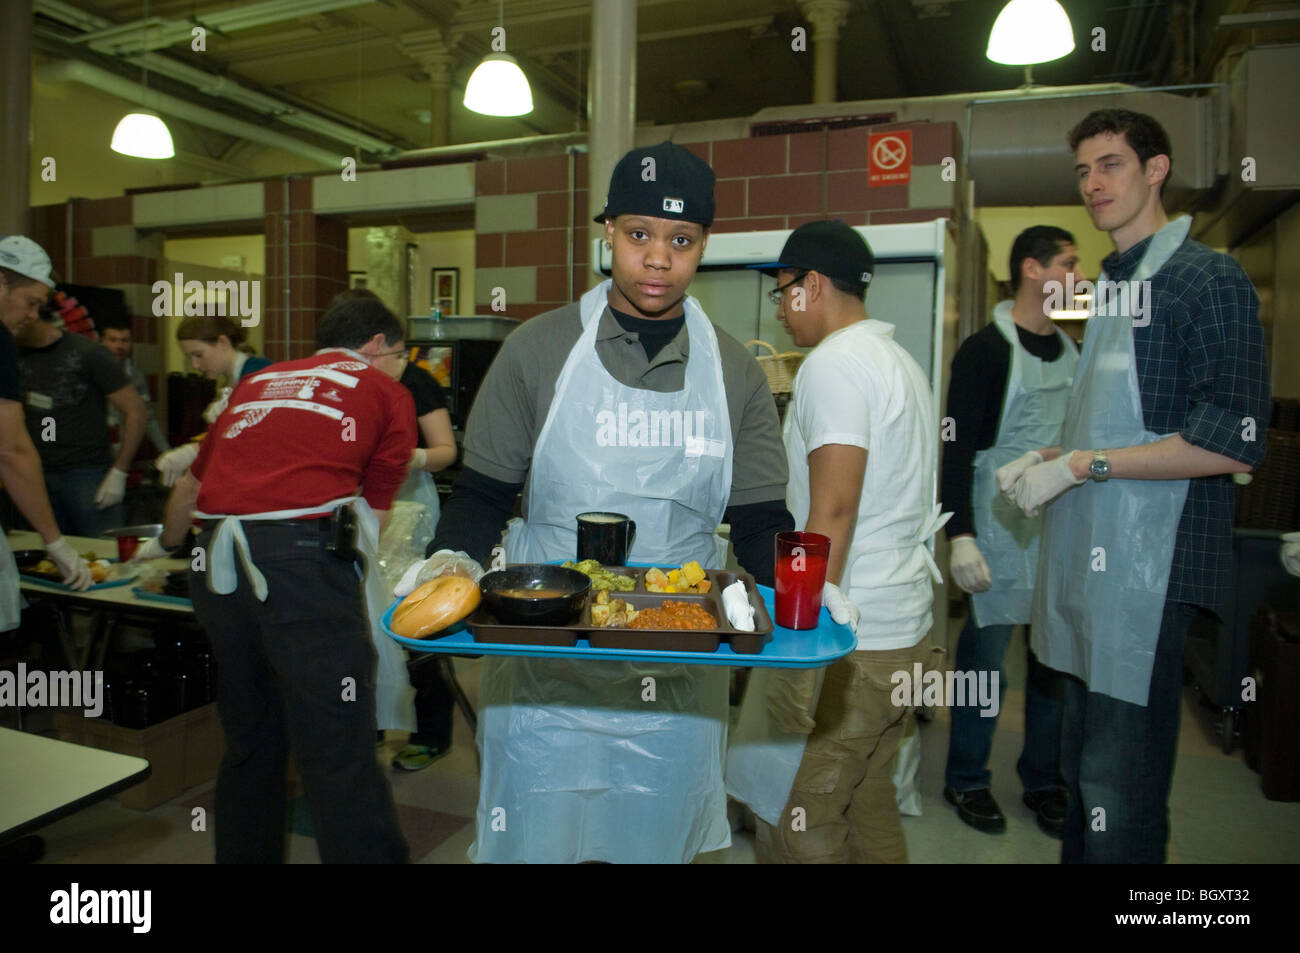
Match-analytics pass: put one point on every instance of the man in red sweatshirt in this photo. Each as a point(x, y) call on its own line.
point(303, 451)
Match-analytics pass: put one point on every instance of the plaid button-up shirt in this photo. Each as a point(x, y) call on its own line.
point(1202, 373)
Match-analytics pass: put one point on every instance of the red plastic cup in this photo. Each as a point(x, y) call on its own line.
point(126, 547)
point(800, 575)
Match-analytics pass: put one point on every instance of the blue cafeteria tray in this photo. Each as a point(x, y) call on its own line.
point(148, 596)
point(55, 584)
point(787, 648)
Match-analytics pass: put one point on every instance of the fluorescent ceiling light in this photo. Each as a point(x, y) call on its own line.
point(1030, 31)
point(143, 135)
point(498, 87)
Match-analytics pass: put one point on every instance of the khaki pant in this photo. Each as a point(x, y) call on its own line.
point(844, 785)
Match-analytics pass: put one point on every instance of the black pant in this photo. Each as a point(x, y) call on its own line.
point(1117, 759)
point(433, 704)
point(297, 670)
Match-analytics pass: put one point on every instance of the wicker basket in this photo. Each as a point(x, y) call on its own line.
point(780, 368)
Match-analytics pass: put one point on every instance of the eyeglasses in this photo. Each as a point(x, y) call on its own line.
point(401, 351)
point(775, 294)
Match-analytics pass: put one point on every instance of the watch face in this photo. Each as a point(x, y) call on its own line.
point(1099, 468)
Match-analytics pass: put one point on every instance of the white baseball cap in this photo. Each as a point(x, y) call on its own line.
point(21, 254)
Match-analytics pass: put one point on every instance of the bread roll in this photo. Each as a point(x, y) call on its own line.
point(435, 605)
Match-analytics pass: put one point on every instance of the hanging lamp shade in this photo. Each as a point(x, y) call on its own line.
point(498, 87)
point(144, 135)
point(1030, 31)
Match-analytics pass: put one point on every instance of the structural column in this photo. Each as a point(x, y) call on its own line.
point(431, 50)
point(15, 115)
point(611, 94)
point(826, 17)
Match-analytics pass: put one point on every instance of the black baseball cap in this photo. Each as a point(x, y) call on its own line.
point(831, 248)
point(677, 184)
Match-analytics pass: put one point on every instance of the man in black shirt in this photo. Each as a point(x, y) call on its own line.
point(25, 283)
point(69, 382)
point(1009, 385)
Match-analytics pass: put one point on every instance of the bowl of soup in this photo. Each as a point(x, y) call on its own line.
point(535, 594)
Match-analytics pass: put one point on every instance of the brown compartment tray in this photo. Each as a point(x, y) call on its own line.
point(485, 628)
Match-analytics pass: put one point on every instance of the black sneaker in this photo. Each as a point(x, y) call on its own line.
point(1049, 806)
point(978, 809)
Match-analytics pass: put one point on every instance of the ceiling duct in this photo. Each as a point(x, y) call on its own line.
point(1261, 163)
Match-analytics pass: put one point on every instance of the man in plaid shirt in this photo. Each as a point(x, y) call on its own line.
point(1195, 356)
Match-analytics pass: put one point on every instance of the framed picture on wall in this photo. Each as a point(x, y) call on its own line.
point(444, 285)
point(356, 279)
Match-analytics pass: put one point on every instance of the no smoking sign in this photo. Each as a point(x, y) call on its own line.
point(889, 158)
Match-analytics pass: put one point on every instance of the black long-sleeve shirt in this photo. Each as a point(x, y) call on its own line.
point(976, 393)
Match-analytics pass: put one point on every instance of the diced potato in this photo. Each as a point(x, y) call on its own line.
point(599, 614)
point(703, 586)
point(692, 573)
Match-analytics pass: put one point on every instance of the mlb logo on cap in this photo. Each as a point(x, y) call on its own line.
point(674, 205)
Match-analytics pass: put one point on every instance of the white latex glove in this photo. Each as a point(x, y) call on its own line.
point(214, 409)
point(444, 562)
point(76, 571)
point(173, 464)
point(1044, 482)
point(153, 549)
point(969, 570)
point(841, 609)
point(1290, 553)
point(419, 457)
point(113, 490)
point(1009, 474)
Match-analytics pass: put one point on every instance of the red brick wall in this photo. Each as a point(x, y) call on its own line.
point(317, 268)
point(764, 183)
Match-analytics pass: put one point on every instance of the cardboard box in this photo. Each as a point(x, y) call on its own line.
point(183, 751)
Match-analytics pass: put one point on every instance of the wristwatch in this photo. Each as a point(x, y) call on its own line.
point(1099, 469)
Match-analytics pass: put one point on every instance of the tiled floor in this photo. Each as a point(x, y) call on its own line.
point(1218, 813)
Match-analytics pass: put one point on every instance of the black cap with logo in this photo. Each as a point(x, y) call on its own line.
point(661, 181)
point(831, 248)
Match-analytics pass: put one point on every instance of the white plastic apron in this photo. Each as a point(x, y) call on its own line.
point(419, 487)
point(11, 597)
point(1036, 395)
point(576, 765)
point(394, 695)
point(1102, 624)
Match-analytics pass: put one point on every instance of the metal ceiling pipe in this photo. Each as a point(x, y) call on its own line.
point(220, 86)
point(75, 71)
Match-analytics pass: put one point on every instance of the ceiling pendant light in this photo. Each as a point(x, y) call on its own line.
point(144, 135)
point(498, 87)
point(1030, 31)
point(141, 133)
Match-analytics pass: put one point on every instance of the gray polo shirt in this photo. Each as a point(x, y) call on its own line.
point(515, 397)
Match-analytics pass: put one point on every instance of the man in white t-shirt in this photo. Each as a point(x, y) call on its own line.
point(860, 441)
